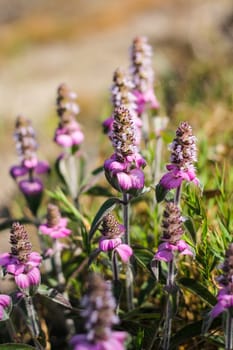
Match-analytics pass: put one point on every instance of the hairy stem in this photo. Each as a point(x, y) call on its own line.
point(115, 266)
point(129, 278)
point(32, 317)
point(229, 331)
point(157, 160)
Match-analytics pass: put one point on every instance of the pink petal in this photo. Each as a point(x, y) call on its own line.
point(106, 244)
point(15, 269)
point(64, 140)
point(34, 259)
point(125, 252)
point(22, 281)
point(164, 255)
point(77, 137)
point(137, 178)
point(17, 171)
point(42, 167)
point(5, 300)
point(124, 180)
point(34, 276)
point(5, 259)
point(170, 181)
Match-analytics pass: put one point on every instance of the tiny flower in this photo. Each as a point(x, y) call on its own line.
point(142, 75)
point(5, 306)
point(99, 317)
point(183, 156)
point(55, 226)
point(172, 244)
point(68, 133)
point(225, 294)
point(21, 262)
point(112, 233)
point(122, 169)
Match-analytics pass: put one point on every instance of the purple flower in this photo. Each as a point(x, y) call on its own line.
point(142, 75)
point(31, 187)
point(22, 263)
point(122, 169)
point(146, 99)
point(114, 342)
point(225, 294)
point(111, 240)
point(183, 156)
point(176, 176)
point(172, 245)
point(99, 316)
point(124, 250)
point(225, 301)
point(69, 136)
point(68, 133)
point(55, 226)
point(167, 250)
point(5, 306)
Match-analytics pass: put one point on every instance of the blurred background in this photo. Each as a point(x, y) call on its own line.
point(81, 42)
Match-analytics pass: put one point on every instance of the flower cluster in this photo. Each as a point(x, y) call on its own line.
point(22, 262)
point(123, 168)
point(99, 315)
point(5, 306)
point(172, 232)
point(55, 226)
point(142, 74)
point(183, 155)
point(68, 133)
point(26, 146)
point(225, 295)
point(111, 240)
point(122, 95)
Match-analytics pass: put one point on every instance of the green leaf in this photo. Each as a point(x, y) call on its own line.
point(160, 193)
point(54, 295)
point(105, 208)
point(191, 330)
point(143, 256)
point(15, 346)
point(198, 289)
point(99, 191)
point(188, 223)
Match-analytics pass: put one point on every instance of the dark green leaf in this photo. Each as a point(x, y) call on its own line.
point(160, 193)
point(15, 346)
point(99, 191)
point(188, 223)
point(143, 257)
point(105, 208)
point(198, 289)
point(54, 295)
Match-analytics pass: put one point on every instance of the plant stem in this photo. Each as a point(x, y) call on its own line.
point(157, 160)
point(58, 264)
point(168, 312)
point(129, 279)
point(178, 195)
point(115, 266)
point(229, 331)
point(32, 316)
point(126, 217)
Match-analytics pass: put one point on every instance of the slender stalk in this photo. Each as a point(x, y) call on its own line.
point(129, 278)
point(115, 266)
point(145, 127)
point(229, 331)
point(168, 312)
point(178, 195)
point(32, 316)
point(58, 264)
point(157, 160)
